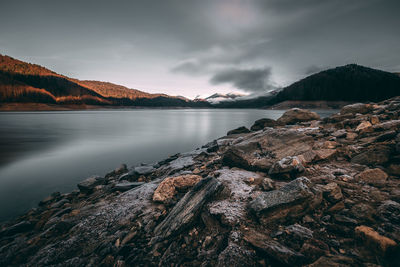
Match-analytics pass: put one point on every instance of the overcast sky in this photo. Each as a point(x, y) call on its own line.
point(190, 48)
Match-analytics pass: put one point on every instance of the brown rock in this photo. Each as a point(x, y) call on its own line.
point(323, 154)
point(351, 136)
point(274, 249)
point(363, 126)
point(356, 108)
point(295, 115)
point(332, 192)
point(372, 176)
point(167, 189)
point(374, 119)
point(374, 240)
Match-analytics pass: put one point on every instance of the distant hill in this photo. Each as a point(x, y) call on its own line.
point(330, 88)
point(26, 82)
point(346, 83)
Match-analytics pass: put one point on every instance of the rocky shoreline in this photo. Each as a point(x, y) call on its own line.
point(293, 192)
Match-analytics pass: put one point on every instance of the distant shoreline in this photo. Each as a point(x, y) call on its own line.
point(10, 107)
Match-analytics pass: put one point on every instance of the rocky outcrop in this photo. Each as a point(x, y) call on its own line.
point(239, 130)
point(315, 193)
point(295, 115)
point(262, 123)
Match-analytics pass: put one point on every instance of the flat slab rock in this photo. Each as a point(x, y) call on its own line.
point(187, 209)
point(274, 249)
point(293, 191)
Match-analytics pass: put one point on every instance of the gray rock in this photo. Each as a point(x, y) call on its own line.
point(287, 165)
point(299, 231)
point(262, 123)
point(187, 209)
point(137, 172)
point(126, 186)
point(239, 130)
point(292, 192)
point(87, 186)
point(16, 228)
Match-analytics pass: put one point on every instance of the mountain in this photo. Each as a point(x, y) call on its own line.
point(330, 88)
point(217, 98)
point(346, 83)
point(26, 82)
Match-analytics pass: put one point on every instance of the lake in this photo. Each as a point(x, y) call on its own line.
point(43, 152)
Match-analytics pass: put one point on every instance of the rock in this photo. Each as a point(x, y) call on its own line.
point(137, 172)
point(357, 108)
point(374, 119)
point(187, 209)
point(236, 255)
point(374, 240)
point(363, 126)
point(389, 211)
point(299, 231)
point(262, 123)
point(332, 192)
point(307, 157)
point(339, 133)
point(295, 115)
point(267, 184)
point(59, 204)
point(372, 176)
point(16, 229)
point(386, 136)
point(169, 187)
point(351, 136)
point(376, 155)
point(122, 187)
point(294, 191)
point(232, 209)
point(274, 249)
point(90, 183)
point(287, 165)
point(323, 154)
point(239, 130)
point(121, 169)
point(333, 261)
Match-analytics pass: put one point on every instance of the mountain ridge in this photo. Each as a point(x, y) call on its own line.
point(26, 82)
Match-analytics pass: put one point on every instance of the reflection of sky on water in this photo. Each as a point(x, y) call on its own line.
point(52, 151)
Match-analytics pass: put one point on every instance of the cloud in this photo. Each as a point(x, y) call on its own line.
point(188, 67)
point(249, 80)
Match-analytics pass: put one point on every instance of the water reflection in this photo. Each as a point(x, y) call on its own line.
point(42, 152)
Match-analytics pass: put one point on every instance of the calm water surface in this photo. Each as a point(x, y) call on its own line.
point(43, 152)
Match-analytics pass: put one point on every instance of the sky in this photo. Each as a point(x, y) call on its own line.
point(200, 47)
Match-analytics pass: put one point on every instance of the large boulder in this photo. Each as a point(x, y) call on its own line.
point(295, 115)
point(262, 123)
point(261, 151)
point(239, 130)
point(170, 186)
point(87, 185)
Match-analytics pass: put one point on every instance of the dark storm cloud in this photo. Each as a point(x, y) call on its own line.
point(185, 44)
point(250, 80)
